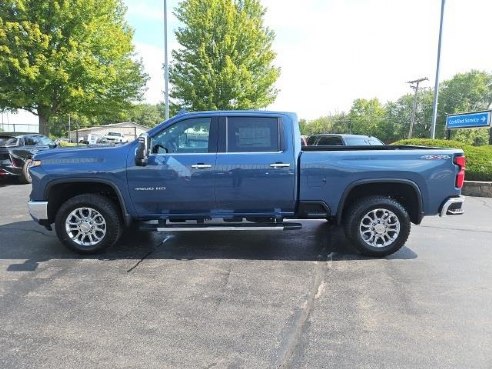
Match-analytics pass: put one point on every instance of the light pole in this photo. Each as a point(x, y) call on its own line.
point(166, 66)
point(414, 85)
point(436, 85)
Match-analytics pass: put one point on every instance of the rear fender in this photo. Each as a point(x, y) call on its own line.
point(385, 187)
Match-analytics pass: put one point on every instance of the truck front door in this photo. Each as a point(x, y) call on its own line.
point(255, 167)
point(178, 177)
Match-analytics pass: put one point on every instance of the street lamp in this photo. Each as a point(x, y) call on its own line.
point(436, 86)
point(166, 66)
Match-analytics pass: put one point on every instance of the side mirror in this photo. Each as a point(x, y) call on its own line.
point(142, 151)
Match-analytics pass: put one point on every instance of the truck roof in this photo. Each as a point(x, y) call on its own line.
point(215, 113)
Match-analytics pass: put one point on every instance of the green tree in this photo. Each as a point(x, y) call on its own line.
point(398, 116)
point(226, 57)
point(67, 56)
point(148, 115)
point(319, 125)
point(465, 92)
point(367, 117)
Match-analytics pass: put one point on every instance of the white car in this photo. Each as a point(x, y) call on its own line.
point(115, 137)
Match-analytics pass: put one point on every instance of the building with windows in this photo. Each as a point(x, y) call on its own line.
point(127, 131)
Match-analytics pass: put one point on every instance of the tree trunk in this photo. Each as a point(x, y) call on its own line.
point(43, 116)
point(490, 136)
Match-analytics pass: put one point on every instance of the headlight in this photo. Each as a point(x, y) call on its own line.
point(35, 163)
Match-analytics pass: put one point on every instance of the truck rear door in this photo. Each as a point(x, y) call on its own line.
point(255, 166)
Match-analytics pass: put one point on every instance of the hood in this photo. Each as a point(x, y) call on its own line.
point(84, 154)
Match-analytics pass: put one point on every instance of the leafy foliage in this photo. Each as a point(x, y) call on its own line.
point(389, 122)
point(366, 116)
point(147, 115)
point(225, 61)
point(478, 158)
point(398, 116)
point(465, 92)
point(62, 56)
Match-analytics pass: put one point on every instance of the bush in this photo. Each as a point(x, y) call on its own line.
point(478, 158)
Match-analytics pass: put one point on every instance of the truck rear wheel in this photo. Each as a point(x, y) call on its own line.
point(377, 226)
point(88, 223)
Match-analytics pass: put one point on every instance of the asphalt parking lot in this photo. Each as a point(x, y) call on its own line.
point(297, 299)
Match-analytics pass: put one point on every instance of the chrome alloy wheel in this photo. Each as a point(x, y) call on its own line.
point(85, 226)
point(379, 228)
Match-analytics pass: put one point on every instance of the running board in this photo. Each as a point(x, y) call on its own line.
point(284, 226)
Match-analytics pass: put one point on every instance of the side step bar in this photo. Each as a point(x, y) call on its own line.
point(284, 226)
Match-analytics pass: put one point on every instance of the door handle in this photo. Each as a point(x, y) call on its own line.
point(280, 165)
point(201, 166)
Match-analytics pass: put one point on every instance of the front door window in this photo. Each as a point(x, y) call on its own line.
point(185, 137)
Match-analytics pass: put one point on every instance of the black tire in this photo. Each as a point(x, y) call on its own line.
point(377, 226)
point(25, 177)
point(88, 223)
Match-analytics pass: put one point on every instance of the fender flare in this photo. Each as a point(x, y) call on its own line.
point(362, 182)
point(127, 218)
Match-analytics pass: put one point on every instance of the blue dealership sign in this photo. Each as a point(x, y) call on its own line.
point(468, 120)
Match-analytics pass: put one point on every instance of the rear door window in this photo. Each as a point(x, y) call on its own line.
point(253, 134)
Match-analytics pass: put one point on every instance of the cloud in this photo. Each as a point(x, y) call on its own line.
point(153, 61)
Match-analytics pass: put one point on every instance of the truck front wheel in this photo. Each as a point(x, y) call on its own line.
point(88, 223)
point(377, 226)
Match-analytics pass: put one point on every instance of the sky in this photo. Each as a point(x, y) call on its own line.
point(334, 51)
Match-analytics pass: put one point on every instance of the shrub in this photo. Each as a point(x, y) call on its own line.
point(478, 158)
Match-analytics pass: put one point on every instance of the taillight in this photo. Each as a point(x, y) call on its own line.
point(460, 161)
point(16, 162)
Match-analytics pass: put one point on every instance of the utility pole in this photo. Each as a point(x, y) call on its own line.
point(166, 66)
point(415, 86)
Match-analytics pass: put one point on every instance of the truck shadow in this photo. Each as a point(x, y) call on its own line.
point(8, 181)
point(316, 241)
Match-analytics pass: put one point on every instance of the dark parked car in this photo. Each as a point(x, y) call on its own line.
point(342, 140)
point(16, 152)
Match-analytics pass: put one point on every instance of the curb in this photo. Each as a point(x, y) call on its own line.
point(477, 188)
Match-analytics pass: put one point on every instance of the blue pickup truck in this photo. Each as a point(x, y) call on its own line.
point(241, 170)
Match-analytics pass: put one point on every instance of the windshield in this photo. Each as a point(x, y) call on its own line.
point(362, 141)
point(8, 141)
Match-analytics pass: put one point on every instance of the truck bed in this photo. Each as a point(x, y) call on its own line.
point(365, 147)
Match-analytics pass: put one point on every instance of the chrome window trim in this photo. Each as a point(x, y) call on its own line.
point(184, 153)
point(250, 152)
